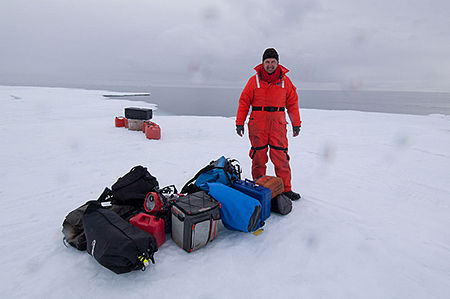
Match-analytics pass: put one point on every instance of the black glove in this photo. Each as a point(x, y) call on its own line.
point(240, 130)
point(296, 131)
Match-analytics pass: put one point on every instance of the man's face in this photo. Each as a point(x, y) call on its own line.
point(270, 65)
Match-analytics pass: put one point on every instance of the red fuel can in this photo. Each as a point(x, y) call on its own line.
point(120, 121)
point(152, 131)
point(144, 125)
point(152, 225)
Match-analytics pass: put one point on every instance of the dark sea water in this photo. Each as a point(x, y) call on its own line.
point(224, 101)
point(217, 101)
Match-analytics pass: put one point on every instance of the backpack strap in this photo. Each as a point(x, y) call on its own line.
point(235, 167)
point(106, 195)
point(208, 167)
point(232, 167)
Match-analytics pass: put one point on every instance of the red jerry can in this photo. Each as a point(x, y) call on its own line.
point(145, 124)
point(152, 131)
point(120, 121)
point(152, 225)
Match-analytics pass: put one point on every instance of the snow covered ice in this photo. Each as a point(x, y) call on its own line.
point(373, 221)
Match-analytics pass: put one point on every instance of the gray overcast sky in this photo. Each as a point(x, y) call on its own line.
point(327, 44)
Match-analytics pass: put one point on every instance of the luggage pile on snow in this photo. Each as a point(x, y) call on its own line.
point(138, 119)
point(127, 224)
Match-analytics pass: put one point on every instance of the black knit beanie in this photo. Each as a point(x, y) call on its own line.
point(270, 53)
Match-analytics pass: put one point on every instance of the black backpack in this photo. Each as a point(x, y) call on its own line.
point(133, 187)
point(115, 243)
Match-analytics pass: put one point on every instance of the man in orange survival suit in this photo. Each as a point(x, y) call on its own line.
point(270, 92)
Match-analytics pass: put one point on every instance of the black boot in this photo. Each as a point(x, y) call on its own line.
point(292, 195)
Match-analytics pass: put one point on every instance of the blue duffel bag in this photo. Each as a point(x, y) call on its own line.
point(238, 211)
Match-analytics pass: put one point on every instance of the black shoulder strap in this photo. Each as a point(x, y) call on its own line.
point(235, 167)
point(208, 167)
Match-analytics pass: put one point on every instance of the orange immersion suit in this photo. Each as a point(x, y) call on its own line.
point(267, 125)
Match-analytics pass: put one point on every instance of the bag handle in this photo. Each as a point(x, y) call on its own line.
point(250, 181)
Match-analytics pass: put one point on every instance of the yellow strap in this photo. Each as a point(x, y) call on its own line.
point(143, 260)
point(258, 232)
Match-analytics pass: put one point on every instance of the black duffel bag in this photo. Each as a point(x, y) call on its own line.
point(281, 204)
point(115, 243)
point(72, 226)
